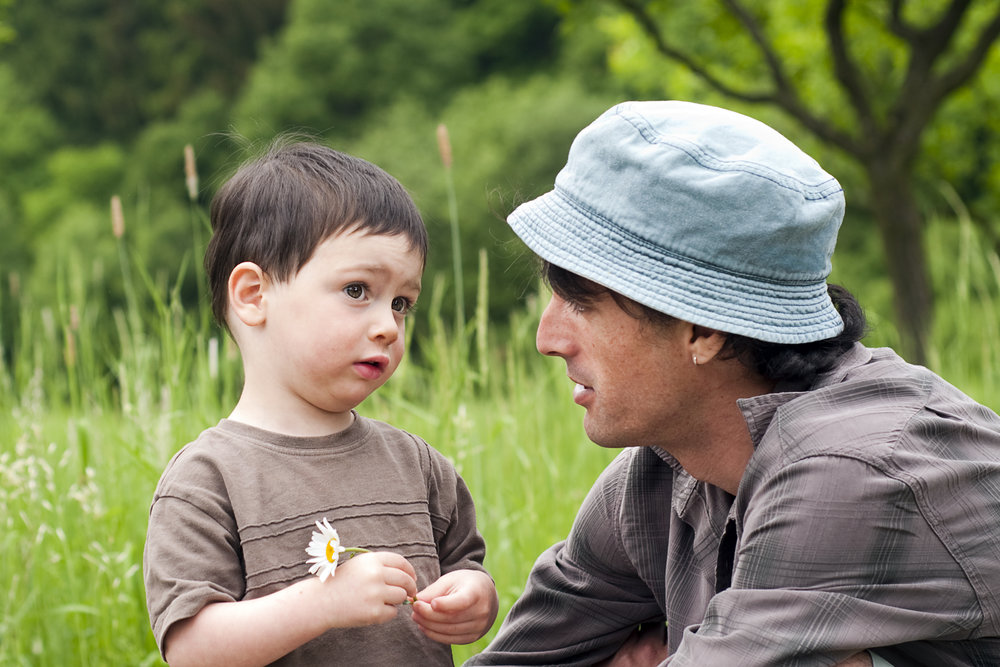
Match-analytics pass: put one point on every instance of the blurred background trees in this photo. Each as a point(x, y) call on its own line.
point(868, 80)
point(99, 97)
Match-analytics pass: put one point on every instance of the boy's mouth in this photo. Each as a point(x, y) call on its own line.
point(372, 368)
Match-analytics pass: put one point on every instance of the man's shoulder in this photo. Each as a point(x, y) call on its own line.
point(873, 411)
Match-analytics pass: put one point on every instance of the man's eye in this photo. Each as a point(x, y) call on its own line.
point(355, 290)
point(401, 304)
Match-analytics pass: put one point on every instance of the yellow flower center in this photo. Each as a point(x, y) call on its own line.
point(331, 552)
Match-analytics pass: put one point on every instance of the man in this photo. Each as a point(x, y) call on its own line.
point(787, 496)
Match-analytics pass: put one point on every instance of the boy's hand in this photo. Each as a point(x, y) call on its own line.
point(458, 608)
point(366, 589)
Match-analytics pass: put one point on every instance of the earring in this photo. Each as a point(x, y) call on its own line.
point(695, 359)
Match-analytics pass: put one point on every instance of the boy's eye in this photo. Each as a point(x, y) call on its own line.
point(355, 290)
point(401, 304)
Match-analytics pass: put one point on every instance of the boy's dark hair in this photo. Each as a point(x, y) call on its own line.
point(773, 361)
point(279, 207)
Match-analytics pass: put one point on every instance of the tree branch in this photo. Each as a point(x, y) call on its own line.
point(922, 92)
point(652, 30)
point(749, 22)
point(847, 73)
point(939, 35)
point(964, 70)
point(783, 96)
point(897, 25)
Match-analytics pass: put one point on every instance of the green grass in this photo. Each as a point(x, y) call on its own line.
point(90, 421)
point(91, 413)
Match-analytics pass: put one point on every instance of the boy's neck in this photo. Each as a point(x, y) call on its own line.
point(289, 422)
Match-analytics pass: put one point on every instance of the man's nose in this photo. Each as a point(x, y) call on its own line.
point(551, 338)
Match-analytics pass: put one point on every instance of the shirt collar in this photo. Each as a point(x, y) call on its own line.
point(758, 411)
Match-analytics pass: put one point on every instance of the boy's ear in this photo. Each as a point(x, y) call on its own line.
point(247, 284)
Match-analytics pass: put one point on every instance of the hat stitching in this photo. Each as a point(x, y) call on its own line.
point(811, 191)
point(794, 303)
point(656, 249)
point(765, 304)
point(691, 301)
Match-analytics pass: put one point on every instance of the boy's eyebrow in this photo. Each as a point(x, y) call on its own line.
point(381, 267)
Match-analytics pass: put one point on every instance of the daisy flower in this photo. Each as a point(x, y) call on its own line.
point(325, 549)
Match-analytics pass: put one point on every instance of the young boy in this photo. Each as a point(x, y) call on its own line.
point(315, 259)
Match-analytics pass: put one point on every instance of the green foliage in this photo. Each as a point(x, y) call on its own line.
point(61, 216)
point(108, 358)
point(87, 423)
point(6, 32)
point(352, 74)
point(963, 149)
point(487, 129)
point(329, 69)
point(106, 68)
point(27, 133)
point(960, 145)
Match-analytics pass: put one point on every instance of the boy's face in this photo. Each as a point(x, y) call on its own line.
point(335, 330)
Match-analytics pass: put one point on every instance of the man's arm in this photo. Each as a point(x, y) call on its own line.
point(835, 556)
point(648, 646)
point(583, 596)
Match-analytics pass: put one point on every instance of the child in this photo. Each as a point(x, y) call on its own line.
point(315, 259)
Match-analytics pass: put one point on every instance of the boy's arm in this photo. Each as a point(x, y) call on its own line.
point(364, 591)
point(458, 608)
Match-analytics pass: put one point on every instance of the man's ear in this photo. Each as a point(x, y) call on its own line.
point(706, 343)
point(247, 286)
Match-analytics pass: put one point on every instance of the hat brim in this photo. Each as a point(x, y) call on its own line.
point(597, 249)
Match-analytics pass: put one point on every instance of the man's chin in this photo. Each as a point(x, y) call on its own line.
point(601, 437)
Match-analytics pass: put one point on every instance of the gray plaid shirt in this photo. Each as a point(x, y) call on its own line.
point(868, 517)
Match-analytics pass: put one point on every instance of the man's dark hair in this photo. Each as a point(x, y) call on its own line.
point(279, 207)
point(774, 361)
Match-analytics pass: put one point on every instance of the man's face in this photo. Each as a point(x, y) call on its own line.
point(635, 378)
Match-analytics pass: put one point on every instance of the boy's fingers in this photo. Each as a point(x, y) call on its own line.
point(435, 590)
point(451, 602)
point(445, 625)
point(391, 559)
point(455, 633)
point(401, 582)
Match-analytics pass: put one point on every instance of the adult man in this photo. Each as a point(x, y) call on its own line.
point(787, 495)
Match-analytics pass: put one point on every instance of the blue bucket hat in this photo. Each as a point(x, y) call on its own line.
point(697, 212)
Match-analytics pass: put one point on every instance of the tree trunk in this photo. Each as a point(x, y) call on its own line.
point(901, 226)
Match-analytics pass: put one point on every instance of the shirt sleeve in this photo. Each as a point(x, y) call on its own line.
point(191, 558)
point(460, 546)
point(583, 596)
point(835, 556)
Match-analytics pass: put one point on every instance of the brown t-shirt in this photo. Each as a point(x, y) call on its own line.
point(235, 509)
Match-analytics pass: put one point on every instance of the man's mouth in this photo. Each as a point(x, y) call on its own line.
point(580, 390)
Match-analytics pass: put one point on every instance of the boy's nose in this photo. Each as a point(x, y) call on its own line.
point(384, 325)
